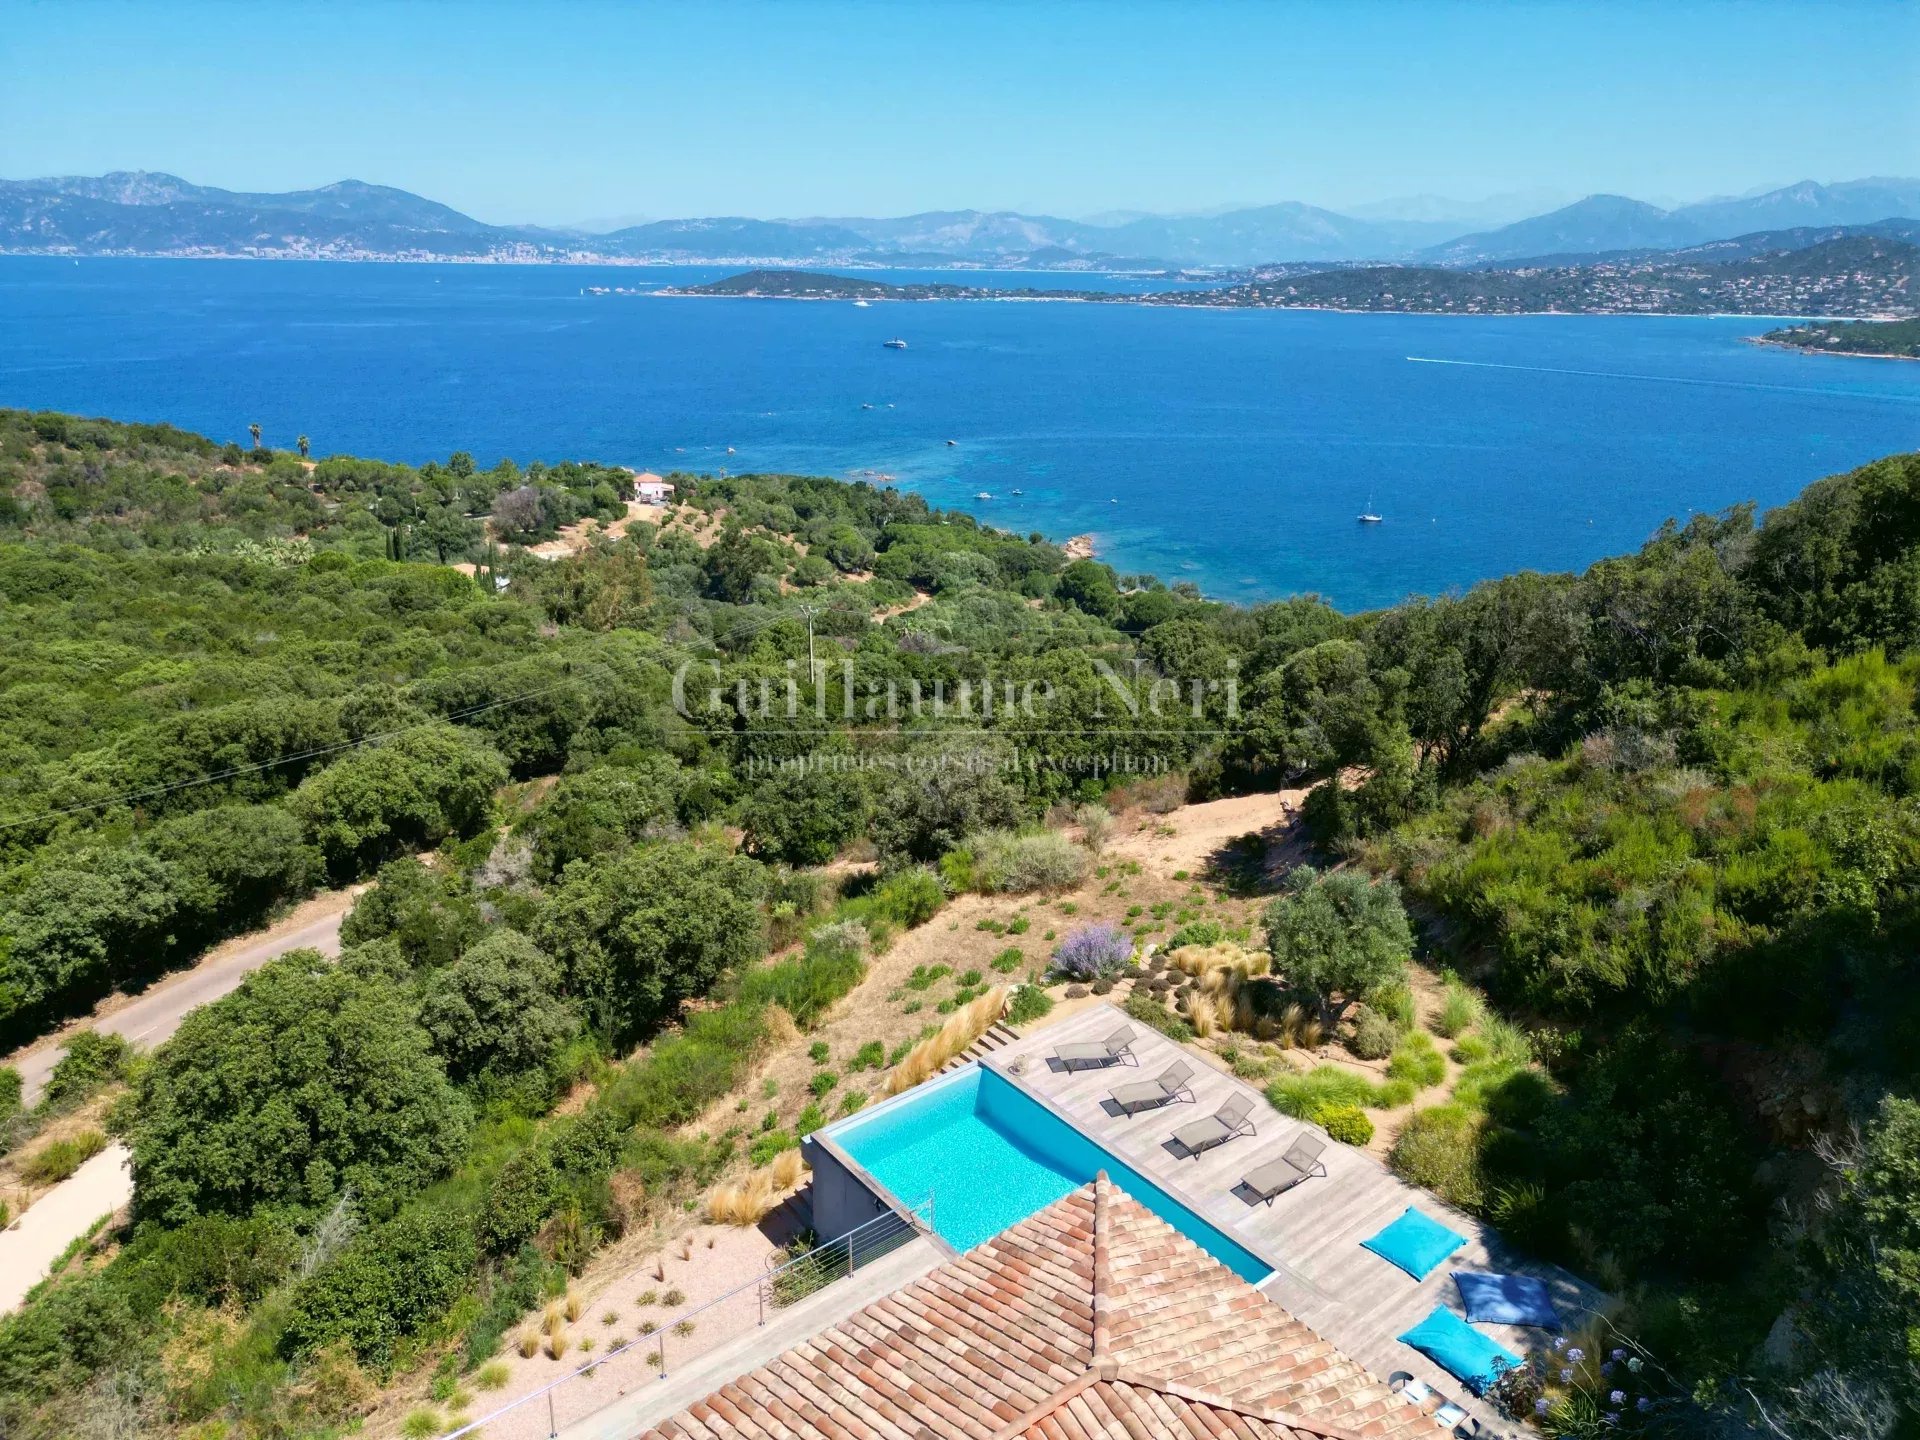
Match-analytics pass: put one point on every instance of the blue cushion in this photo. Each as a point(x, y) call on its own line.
point(1459, 1349)
point(1415, 1243)
point(1506, 1300)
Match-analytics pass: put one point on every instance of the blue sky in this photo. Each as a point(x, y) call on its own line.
point(563, 111)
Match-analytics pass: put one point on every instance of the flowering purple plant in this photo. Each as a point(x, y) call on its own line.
point(1587, 1388)
point(1093, 951)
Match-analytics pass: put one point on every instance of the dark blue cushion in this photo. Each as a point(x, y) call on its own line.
point(1415, 1243)
point(1459, 1349)
point(1506, 1300)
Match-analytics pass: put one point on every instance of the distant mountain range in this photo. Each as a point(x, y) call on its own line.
point(1613, 222)
point(148, 213)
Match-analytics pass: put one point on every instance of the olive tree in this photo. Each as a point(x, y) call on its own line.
point(1342, 936)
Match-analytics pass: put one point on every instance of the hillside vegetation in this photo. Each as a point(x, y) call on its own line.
point(1660, 815)
point(1899, 338)
point(1851, 275)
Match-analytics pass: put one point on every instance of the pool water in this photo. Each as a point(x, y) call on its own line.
point(991, 1156)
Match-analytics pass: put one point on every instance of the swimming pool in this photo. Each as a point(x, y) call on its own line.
point(991, 1155)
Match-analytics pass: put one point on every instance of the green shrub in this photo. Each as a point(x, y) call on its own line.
point(91, 1061)
point(1373, 1034)
point(1008, 864)
point(870, 1056)
point(1417, 1063)
point(801, 817)
point(494, 1010)
point(386, 1285)
point(1439, 1149)
point(766, 1146)
point(1148, 1011)
point(957, 870)
point(1461, 1009)
point(907, 898)
point(1470, 1049)
point(10, 1089)
point(1305, 1096)
point(1396, 1003)
point(513, 1289)
point(1499, 1073)
point(822, 1082)
point(311, 1077)
point(1519, 1100)
point(1029, 1003)
point(811, 1119)
point(818, 1052)
point(639, 933)
point(58, 1159)
point(1008, 960)
point(685, 1073)
point(1197, 932)
point(1526, 1214)
point(808, 984)
point(1325, 813)
point(1346, 1123)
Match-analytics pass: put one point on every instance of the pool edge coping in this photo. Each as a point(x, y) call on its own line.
point(1174, 1191)
point(823, 1137)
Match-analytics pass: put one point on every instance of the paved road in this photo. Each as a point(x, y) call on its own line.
point(58, 1218)
point(150, 1017)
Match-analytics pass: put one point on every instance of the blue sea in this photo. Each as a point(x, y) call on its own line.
point(1230, 448)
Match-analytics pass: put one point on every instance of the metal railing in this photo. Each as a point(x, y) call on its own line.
point(783, 1284)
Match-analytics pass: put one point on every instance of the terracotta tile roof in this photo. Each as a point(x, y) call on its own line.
point(1091, 1320)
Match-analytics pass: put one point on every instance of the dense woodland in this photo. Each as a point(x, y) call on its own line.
point(1662, 814)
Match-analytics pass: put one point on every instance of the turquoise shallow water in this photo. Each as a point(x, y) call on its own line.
point(1231, 448)
point(990, 1156)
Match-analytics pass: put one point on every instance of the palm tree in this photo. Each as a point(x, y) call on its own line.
point(305, 447)
point(254, 430)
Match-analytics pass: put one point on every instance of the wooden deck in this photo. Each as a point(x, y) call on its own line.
point(1311, 1235)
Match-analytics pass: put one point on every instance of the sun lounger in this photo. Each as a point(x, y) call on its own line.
point(1111, 1051)
point(1164, 1089)
point(1228, 1122)
point(1276, 1177)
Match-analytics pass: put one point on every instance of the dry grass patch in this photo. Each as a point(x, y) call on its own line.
point(963, 1027)
point(745, 1202)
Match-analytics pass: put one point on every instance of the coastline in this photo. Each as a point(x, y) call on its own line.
point(1154, 300)
point(1121, 297)
point(1079, 547)
point(1822, 350)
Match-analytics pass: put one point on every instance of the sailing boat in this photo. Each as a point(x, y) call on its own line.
point(1369, 516)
